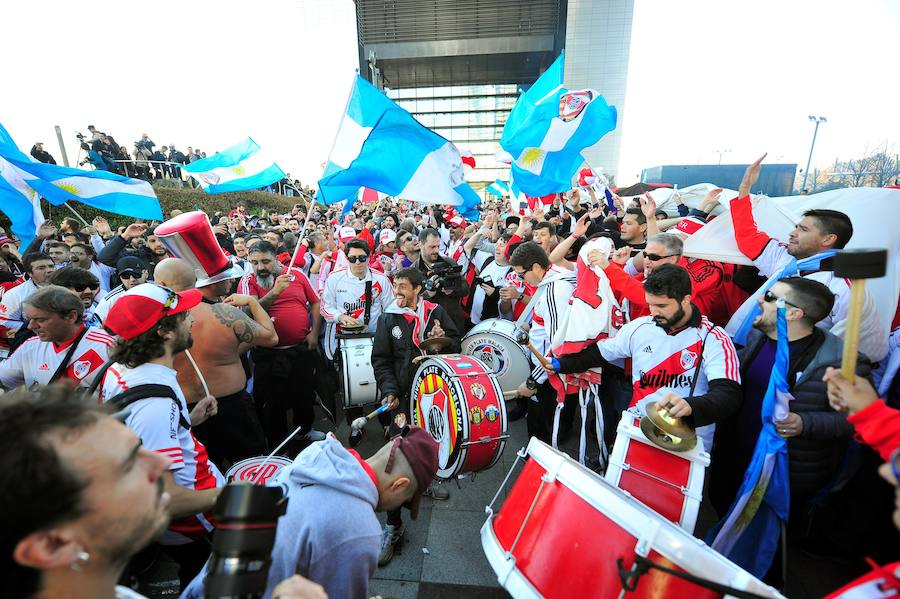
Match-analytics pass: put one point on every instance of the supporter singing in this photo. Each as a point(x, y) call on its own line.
point(63, 348)
point(221, 333)
point(284, 375)
point(401, 329)
point(153, 324)
point(84, 256)
point(410, 248)
point(123, 245)
point(817, 234)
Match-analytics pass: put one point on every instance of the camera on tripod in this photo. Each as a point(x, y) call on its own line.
point(443, 277)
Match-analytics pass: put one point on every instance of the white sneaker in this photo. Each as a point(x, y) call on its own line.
point(391, 540)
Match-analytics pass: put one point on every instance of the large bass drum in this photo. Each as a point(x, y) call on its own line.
point(493, 341)
point(358, 383)
point(458, 401)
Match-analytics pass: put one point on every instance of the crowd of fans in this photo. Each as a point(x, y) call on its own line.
point(90, 306)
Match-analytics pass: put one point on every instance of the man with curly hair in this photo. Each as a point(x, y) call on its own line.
point(152, 324)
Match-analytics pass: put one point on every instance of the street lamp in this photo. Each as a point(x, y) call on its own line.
point(816, 120)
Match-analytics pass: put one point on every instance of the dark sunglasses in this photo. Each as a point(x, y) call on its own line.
point(656, 257)
point(81, 288)
point(771, 297)
point(355, 259)
point(128, 275)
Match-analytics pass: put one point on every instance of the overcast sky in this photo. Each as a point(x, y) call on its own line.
point(704, 75)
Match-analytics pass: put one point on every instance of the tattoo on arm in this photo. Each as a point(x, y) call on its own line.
point(245, 328)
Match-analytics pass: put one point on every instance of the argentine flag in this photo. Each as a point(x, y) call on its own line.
point(381, 146)
point(242, 166)
point(23, 182)
point(547, 129)
point(497, 188)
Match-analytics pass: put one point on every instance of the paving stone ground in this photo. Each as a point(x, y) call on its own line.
point(453, 564)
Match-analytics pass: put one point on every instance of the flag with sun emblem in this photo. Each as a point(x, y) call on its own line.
point(23, 182)
point(241, 167)
point(548, 128)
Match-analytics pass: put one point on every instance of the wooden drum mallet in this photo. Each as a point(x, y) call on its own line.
point(857, 265)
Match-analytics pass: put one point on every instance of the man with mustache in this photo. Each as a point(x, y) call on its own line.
point(283, 376)
point(152, 325)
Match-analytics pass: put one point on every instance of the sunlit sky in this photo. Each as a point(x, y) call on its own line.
point(704, 76)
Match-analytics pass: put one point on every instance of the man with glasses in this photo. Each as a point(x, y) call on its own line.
point(85, 285)
point(817, 436)
point(132, 271)
point(63, 348)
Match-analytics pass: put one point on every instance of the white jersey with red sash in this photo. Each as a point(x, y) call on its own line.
point(346, 294)
point(35, 361)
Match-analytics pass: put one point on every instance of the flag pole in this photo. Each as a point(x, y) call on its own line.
point(86, 224)
point(309, 211)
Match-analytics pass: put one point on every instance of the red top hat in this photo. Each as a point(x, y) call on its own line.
point(189, 236)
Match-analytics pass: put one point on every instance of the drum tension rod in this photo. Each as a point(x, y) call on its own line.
point(631, 576)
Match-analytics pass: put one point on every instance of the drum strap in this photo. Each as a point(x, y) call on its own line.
point(368, 307)
point(65, 362)
point(631, 576)
point(699, 364)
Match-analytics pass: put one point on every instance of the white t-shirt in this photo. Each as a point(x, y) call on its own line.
point(498, 276)
point(155, 420)
point(35, 361)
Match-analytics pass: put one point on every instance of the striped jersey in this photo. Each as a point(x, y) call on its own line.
point(668, 361)
point(11, 315)
point(549, 310)
point(35, 361)
point(155, 420)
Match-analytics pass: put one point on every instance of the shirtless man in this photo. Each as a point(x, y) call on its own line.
point(222, 333)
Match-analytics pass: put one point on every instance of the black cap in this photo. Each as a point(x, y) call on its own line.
point(132, 263)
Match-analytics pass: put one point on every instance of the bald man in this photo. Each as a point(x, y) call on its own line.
point(222, 332)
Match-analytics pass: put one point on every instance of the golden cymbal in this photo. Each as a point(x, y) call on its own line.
point(436, 345)
point(666, 431)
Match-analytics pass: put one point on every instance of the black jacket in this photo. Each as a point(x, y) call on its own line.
point(452, 303)
point(394, 349)
point(816, 455)
point(117, 248)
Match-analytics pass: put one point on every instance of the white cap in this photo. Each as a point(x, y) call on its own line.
point(345, 234)
point(386, 236)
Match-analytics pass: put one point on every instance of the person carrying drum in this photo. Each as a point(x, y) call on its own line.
point(404, 325)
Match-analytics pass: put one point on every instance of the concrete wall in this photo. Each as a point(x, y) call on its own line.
point(598, 42)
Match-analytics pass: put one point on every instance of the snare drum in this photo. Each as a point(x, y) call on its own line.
point(458, 401)
point(247, 470)
point(493, 341)
point(562, 531)
point(670, 483)
point(357, 376)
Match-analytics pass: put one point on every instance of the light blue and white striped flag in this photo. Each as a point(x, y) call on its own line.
point(381, 146)
point(749, 533)
point(547, 129)
point(241, 167)
point(497, 188)
point(23, 181)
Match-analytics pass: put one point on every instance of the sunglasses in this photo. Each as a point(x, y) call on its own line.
point(128, 275)
point(656, 257)
point(81, 288)
point(355, 259)
point(771, 297)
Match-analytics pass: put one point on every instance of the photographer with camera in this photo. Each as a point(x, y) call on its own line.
point(444, 283)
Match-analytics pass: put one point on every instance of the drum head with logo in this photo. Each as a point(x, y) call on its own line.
point(249, 470)
point(437, 405)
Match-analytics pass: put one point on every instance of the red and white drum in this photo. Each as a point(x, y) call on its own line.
point(563, 531)
point(257, 470)
point(458, 401)
point(493, 341)
point(670, 483)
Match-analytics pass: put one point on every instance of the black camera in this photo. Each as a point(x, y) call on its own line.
point(79, 135)
point(247, 517)
point(443, 277)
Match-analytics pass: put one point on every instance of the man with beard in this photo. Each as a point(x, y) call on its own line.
point(818, 233)
point(132, 242)
point(429, 258)
point(408, 321)
point(409, 246)
point(222, 333)
point(152, 325)
point(677, 355)
point(284, 375)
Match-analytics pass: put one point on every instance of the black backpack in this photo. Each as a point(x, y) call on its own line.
point(129, 396)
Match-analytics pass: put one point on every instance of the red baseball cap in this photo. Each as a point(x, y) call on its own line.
point(141, 307)
point(421, 451)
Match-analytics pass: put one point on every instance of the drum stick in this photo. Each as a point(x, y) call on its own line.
point(362, 420)
point(197, 370)
point(538, 355)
